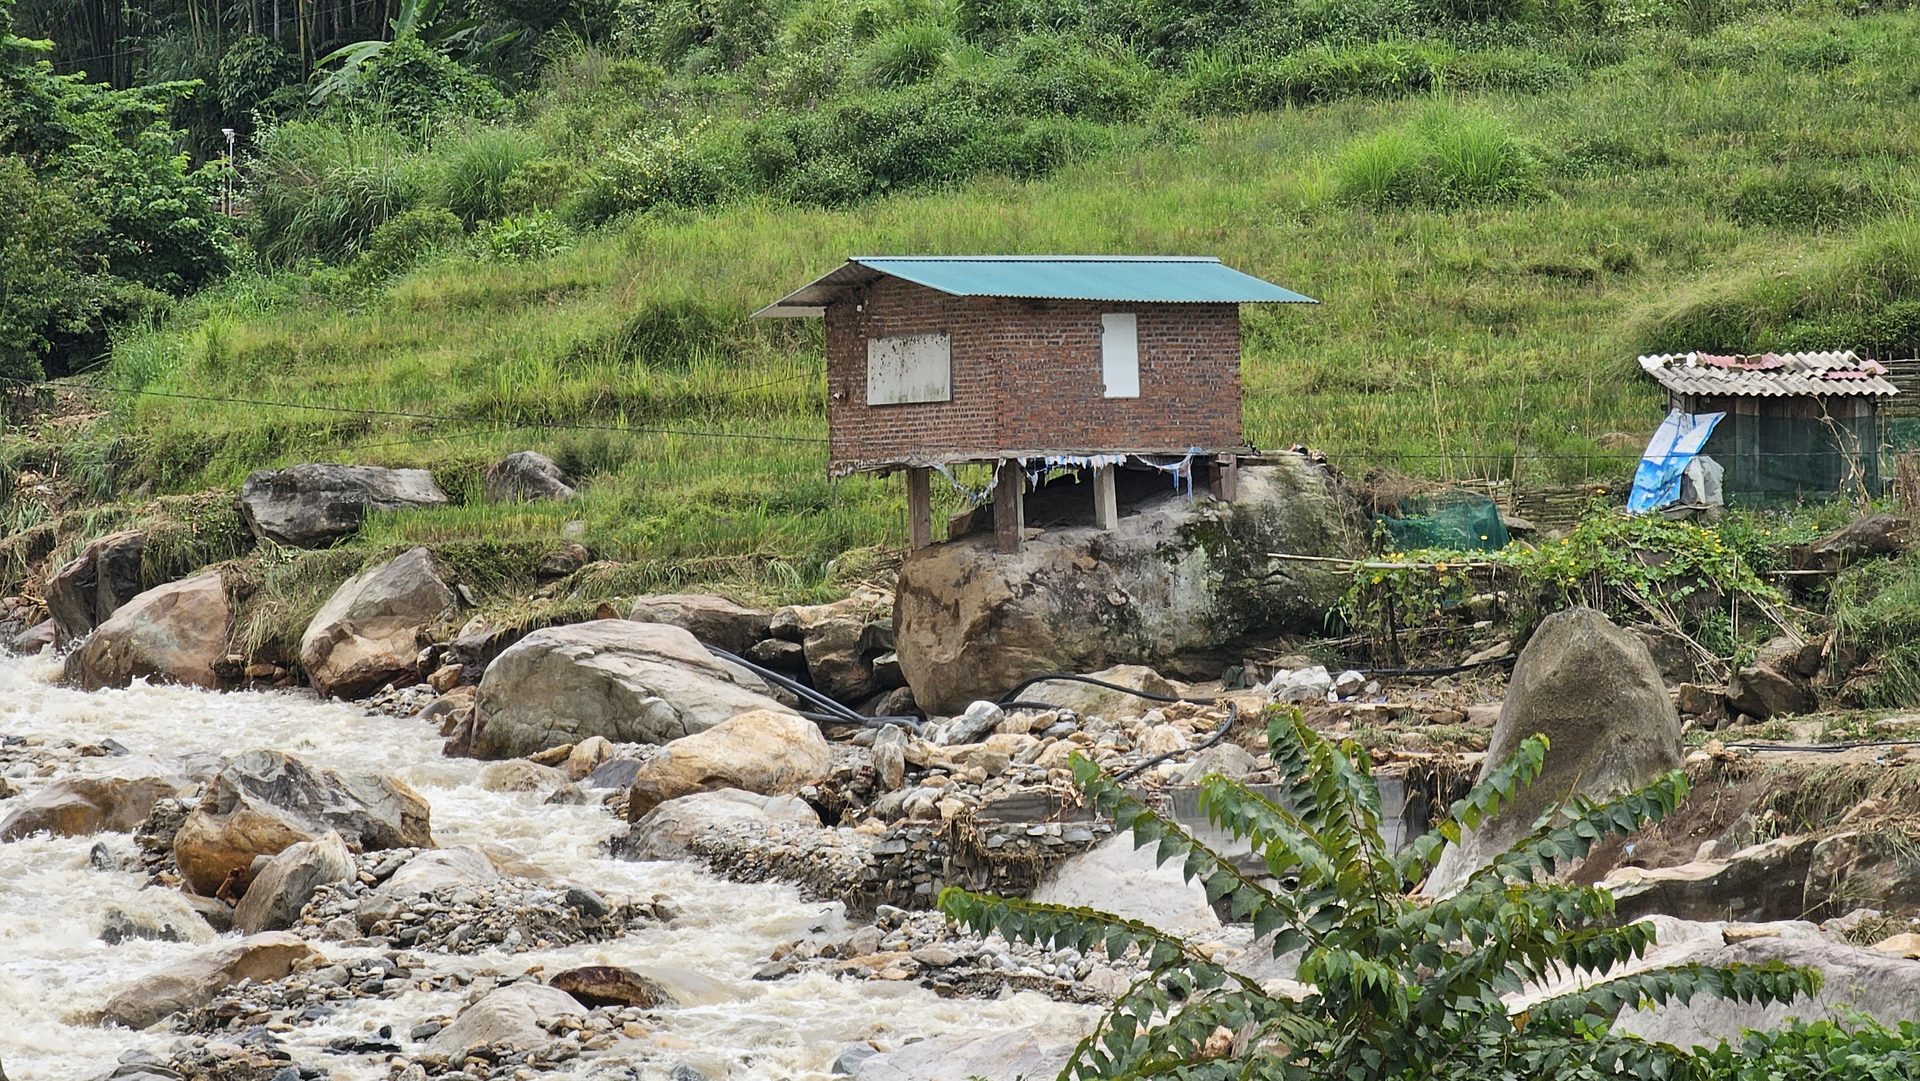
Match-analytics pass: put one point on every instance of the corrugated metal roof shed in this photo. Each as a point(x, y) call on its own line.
point(1138, 279)
point(1769, 375)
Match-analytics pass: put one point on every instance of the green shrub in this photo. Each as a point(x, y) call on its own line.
point(474, 170)
point(1394, 985)
point(525, 238)
point(402, 241)
point(1802, 199)
point(1055, 75)
point(1449, 157)
point(320, 188)
point(539, 184)
point(905, 54)
point(696, 167)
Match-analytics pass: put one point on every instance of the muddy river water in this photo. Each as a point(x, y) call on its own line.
point(56, 972)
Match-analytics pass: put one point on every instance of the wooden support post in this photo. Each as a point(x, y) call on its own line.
point(919, 507)
point(1009, 507)
point(1226, 477)
point(1106, 505)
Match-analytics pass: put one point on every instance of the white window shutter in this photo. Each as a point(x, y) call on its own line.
point(1120, 354)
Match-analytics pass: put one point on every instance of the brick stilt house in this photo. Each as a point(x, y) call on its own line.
point(1021, 361)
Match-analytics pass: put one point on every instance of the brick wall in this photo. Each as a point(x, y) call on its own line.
point(1027, 379)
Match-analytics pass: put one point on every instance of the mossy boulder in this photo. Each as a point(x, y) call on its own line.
point(1183, 585)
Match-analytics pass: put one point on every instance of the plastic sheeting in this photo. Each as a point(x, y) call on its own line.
point(1657, 482)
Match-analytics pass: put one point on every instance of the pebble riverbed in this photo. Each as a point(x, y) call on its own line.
point(57, 896)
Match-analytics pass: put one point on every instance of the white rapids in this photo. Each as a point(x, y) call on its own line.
point(56, 973)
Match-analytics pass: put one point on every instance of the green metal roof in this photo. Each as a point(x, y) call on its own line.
point(1137, 279)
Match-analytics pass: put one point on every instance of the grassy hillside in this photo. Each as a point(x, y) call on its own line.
point(1488, 263)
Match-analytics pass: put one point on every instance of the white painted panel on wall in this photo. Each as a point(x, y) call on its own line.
point(1120, 354)
point(910, 368)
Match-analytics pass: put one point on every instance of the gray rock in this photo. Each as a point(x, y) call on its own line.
point(278, 893)
point(974, 725)
point(627, 682)
point(1762, 882)
point(778, 654)
point(78, 806)
point(614, 773)
point(310, 506)
point(1594, 691)
point(525, 476)
point(1183, 586)
point(1229, 760)
point(84, 593)
point(851, 1058)
point(510, 1016)
point(1088, 700)
point(1885, 986)
point(440, 868)
point(195, 981)
point(369, 632)
point(265, 801)
point(1121, 880)
point(665, 832)
point(713, 620)
point(34, 638)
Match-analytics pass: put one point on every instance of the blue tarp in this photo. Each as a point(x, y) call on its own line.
point(1657, 482)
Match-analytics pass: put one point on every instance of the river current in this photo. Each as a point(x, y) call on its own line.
point(55, 972)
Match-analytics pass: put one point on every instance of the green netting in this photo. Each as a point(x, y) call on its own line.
point(1456, 519)
point(1788, 459)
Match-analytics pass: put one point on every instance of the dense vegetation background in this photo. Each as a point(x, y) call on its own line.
point(456, 228)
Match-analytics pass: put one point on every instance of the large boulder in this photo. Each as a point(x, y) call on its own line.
point(627, 682)
point(309, 506)
point(440, 868)
point(524, 476)
point(79, 806)
point(1862, 538)
point(1592, 689)
point(1181, 585)
point(715, 621)
point(1119, 879)
point(368, 633)
point(84, 593)
point(1090, 701)
point(1884, 986)
point(195, 981)
point(769, 752)
point(282, 888)
point(174, 633)
point(839, 642)
point(1767, 881)
point(511, 1016)
point(266, 802)
point(666, 831)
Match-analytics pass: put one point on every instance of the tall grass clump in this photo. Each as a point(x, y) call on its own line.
point(320, 189)
point(1450, 156)
point(474, 171)
point(906, 54)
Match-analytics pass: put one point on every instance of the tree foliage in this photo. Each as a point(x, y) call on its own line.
point(1396, 985)
point(105, 215)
